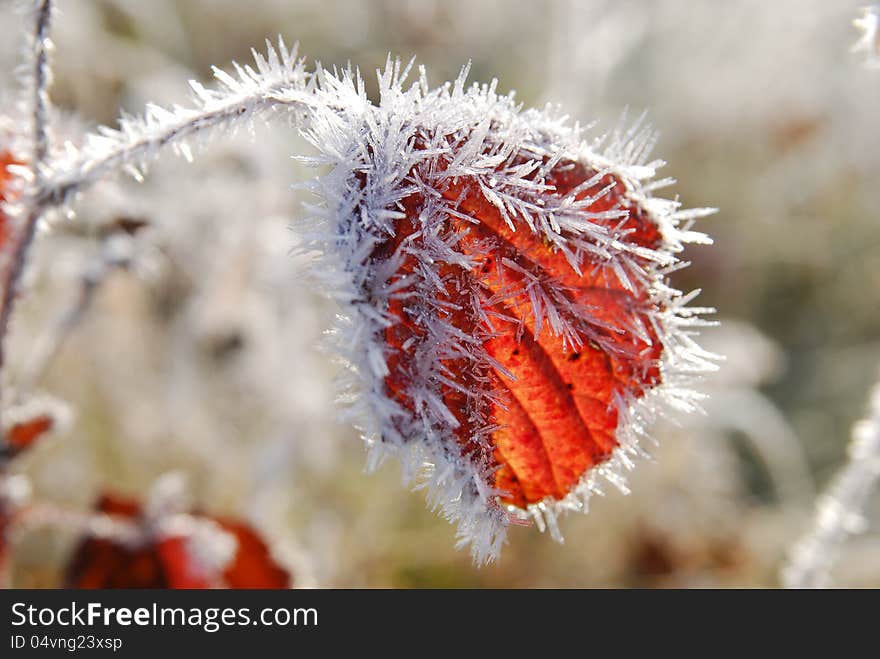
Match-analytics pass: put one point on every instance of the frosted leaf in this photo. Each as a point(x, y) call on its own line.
point(508, 330)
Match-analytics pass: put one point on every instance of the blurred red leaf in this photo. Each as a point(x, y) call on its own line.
point(103, 563)
point(22, 435)
point(252, 566)
point(6, 159)
point(167, 562)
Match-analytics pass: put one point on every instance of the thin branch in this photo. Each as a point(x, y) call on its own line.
point(839, 509)
point(40, 107)
point(278, 80)
point(112, 257)
point(42, 80)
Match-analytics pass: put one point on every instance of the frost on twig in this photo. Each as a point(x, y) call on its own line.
point(278, 79)
point(41, 80)
point(275, 79)
point(23, 223)
point(869, 42)
point(116, 249)
point(839, 510)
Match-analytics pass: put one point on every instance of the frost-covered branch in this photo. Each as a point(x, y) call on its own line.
point(278, 80)
point(839, 509)
point(42, 79)
point(31, 211)
point(115, 254)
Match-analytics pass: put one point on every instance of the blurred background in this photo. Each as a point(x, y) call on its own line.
point(200, 348)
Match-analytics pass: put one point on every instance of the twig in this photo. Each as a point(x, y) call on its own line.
point(279, 80)
point(839, 509)
point(34, 210)
point(110, 259)
point(42, 80)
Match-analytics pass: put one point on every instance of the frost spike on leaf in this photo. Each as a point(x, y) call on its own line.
point(509, 330)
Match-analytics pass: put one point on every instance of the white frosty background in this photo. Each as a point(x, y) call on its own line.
point(203, 356)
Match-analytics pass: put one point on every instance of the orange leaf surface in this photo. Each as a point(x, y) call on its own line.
point(553, 408)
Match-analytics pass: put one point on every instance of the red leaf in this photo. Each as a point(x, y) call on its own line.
point(252, 566)
point(22, 435)
point(550, 397)
point(104, 563)
point(6, 159)
point(167, 561)
point(178, 565)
